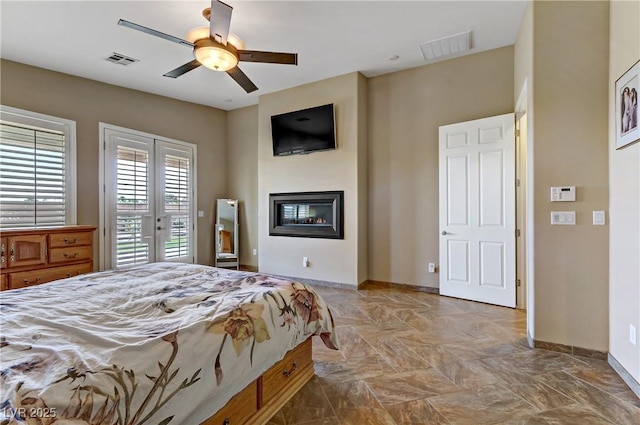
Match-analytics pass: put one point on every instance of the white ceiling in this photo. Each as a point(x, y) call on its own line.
point(331, 38)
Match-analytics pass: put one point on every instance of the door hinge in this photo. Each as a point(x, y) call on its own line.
point(517, 233)
point(518, 283)
point(517, 132)
point(517, 182)
point(104, 231)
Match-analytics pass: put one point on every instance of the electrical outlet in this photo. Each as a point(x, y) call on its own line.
point(305, 261)
point(432, 267)
point(255, 251)
point(632, 334)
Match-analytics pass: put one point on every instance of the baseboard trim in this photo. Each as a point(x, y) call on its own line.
point(626, 376)
point(379, 283)
point(530, 340)
point(570, 349)
point(248, 268)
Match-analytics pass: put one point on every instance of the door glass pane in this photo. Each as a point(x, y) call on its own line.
point(132, 204)
point(177, 206)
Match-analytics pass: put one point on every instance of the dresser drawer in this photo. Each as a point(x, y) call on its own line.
point(239, 409)
point(61, 255)
point(60, 240)
point(36, 277)
point(278, 377)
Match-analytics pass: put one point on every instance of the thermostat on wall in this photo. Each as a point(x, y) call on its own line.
point(563, 194)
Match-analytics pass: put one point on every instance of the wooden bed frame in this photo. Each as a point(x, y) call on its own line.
point(260, 400)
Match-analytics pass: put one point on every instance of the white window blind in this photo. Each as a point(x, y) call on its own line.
point(132, 175)
point(177, 205)
point(35, 173)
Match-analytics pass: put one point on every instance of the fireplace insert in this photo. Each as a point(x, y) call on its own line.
point(307, 214)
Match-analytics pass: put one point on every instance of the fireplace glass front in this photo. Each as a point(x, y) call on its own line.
point(306, 214)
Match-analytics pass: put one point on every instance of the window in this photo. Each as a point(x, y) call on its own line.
point(37, 170)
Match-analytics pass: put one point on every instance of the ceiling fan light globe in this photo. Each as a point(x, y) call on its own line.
point(216, 58)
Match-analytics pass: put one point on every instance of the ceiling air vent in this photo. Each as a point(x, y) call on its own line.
point(446, 46)
point(121, 59)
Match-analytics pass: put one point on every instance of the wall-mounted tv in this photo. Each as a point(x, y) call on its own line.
point(305, 131)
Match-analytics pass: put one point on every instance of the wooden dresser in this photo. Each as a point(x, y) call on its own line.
point(33, 256)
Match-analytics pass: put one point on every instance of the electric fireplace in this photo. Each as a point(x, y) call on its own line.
point(307, 214)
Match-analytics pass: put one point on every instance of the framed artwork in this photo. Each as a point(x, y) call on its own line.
point(627, 114)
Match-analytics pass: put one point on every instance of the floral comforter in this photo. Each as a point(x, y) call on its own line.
point(164, 343)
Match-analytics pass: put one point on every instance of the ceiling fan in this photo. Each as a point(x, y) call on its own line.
point(216, 48)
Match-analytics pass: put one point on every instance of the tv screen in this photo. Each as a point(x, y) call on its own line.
point(304, 131)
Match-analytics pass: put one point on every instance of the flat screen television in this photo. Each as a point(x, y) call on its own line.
point(305, 131)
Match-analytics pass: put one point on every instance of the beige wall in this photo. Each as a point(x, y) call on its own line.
point(405, 110)
point(242, 165)
point(570, 51)
point(89, 102)
point(624, 198)
point(331, 260)
point(363, 179)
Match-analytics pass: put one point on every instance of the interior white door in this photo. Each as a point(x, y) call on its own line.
point(477, 210)
point(148, 200)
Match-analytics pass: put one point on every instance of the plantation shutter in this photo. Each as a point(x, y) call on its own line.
point(33, 169)
point(133, 238)
point(177, 205)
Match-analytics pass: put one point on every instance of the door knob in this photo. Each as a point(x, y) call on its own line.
point(444, 232)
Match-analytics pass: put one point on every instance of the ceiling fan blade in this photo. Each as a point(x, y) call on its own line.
point(189, 66)
point(242, 79)
point(220, 20)
point(268, 57)
point(154, 32)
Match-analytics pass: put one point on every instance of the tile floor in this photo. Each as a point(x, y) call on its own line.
point(415, 358)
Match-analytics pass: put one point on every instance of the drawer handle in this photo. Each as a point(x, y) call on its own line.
point(27, 280)
point(287, 373)
point(11, 252)
point(226, 421)
point(75, 254)
point(70, 242)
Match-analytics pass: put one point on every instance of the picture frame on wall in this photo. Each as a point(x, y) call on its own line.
point(627, 113)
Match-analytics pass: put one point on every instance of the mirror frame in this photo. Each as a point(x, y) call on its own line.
point(232, 259)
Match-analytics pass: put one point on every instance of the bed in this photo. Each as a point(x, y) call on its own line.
point(163, 343)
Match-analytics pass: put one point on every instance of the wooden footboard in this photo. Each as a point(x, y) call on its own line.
point(262, 399)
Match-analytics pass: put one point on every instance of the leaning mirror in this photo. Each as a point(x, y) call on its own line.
point(226, 239)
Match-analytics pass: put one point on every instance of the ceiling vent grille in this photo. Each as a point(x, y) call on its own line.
point(121, 59)
point(446, 46)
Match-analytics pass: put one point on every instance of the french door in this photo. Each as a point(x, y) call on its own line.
point(148, 200)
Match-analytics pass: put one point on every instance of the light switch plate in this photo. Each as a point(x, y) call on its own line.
point(599, 218)
point(563, 218)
